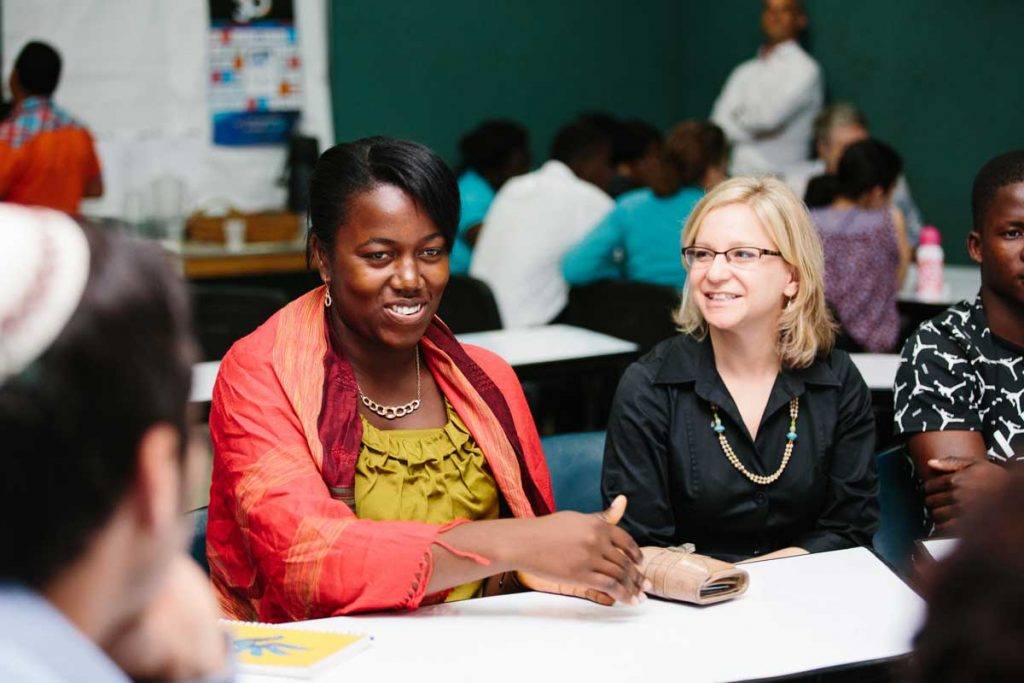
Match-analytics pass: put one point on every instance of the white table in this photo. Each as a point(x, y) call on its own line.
point(524, 347)
point(203, 377)
point(800, 614)
point(960, 283)
point(878, 369)
point(548, 344)
point(940, 548)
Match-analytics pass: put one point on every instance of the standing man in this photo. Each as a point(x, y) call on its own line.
point(768, 104)
point(46, 156)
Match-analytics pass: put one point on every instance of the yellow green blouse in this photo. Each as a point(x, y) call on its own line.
point(427, 475)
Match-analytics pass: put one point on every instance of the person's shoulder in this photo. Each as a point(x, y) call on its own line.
point(629, 201)
point(493, 365)
point(669, 360)
point(254, 352)
point(796, 54)
point(957, 326)
point(838, 365)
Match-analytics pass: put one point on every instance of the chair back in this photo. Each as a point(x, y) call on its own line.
point(574, 461)
point(225, 314)
point(903, 518)
point(468, 305)
point(635, 311)
point(198, 546)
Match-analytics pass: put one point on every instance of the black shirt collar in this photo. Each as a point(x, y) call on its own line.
point(686, 359)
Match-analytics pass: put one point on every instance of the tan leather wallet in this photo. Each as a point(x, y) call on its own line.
point(678, 573)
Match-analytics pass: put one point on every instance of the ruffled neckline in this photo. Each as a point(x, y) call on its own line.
point(417, 445)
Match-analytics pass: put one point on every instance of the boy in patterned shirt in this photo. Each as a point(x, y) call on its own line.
point(958, 390)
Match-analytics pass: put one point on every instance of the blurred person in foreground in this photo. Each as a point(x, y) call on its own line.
point(95, 359)
point(492, 153)
point(47, 157)
point(975, 623)
point(768, 104)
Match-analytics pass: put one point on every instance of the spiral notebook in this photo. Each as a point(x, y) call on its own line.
point(280, 650)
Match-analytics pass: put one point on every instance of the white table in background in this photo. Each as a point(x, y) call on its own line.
point(800, 614)
point(203, 377)
point(960, 283)
point(521, 348)
point(877, 369)
point(548, 344)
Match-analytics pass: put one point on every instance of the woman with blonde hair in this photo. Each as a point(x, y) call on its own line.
point(746, 434)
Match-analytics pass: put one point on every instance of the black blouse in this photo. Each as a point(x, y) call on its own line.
point(664, 456)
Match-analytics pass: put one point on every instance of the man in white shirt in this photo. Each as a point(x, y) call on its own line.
point(837, 127)
point(768, 104)
point(536, 218)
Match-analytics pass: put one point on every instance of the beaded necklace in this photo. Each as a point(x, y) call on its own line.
point(719, 429)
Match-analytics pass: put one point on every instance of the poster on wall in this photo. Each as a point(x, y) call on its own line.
point(255, 71)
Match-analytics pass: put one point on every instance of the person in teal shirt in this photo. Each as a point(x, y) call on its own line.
point(491, 153)
point(639, 239)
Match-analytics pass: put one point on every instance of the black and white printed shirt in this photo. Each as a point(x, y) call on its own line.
point(956, 375)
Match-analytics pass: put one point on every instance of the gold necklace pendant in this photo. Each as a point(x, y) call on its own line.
point(394, 412)
point(730, 454)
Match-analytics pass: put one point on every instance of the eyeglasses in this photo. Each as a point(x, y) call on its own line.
point(741, 257)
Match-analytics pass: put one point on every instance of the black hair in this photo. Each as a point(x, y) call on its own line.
point(38, 68)
point(864, 166)
point(692, 147)
point(71, 422)
point(1005, 169)
point(490, 145)
point(348, 169)
point(635, 139)
point(579, 140)
point(975, 622)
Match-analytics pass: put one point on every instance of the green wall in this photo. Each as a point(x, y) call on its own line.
point(431, 70)
point(938, 79)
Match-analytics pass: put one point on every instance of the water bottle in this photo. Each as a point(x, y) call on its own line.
point(929, 264)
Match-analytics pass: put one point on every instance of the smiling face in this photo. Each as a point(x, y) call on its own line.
point(999, 245)
point(388, 269)
point(732, 298)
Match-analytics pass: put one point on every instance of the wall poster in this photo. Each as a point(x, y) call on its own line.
point(255, 85)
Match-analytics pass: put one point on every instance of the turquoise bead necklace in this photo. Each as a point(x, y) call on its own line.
point(719, 429)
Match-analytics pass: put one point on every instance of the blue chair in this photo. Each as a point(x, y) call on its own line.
point(903, 518)
point(575, 464)
point(198, 547)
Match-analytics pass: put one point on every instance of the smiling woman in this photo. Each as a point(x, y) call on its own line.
point(363, 458)
point(746, 435)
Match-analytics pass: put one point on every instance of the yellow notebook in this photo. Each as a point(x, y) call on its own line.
point(280, 650)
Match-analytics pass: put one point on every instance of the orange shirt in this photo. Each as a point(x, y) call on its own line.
point(46, 157)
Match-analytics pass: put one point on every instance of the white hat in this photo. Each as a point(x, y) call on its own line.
point(44, 264)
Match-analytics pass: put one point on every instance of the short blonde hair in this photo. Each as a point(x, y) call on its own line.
point(806, 329)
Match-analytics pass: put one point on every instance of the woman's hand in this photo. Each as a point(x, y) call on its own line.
point(585, 556)
point(179, 635)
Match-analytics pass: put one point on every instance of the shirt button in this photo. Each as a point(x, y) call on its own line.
point(761, 498)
